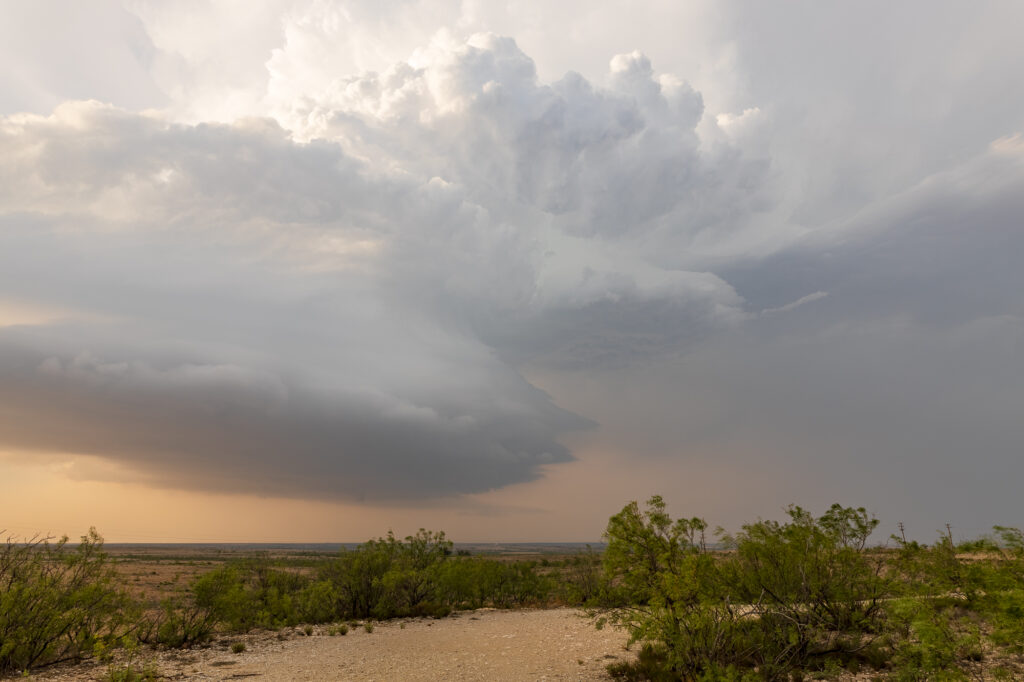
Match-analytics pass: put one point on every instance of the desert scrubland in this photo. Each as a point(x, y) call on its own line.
point(809, 597)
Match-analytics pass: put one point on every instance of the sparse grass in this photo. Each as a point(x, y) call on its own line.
point(128, 673)
point(649, 666)
point(368, 627)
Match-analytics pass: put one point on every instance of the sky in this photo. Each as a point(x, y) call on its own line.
point(310, 270)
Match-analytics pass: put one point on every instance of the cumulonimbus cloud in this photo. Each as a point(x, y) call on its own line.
point(340, 295)
point(338, 304)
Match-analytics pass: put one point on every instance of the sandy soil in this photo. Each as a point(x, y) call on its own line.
point(555, 644)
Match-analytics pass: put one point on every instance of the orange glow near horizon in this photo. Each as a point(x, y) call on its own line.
point(59, 494)
point(571, 502)
point(16, 312)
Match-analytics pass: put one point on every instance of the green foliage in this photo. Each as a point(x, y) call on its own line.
point(804, 598)
point(383, 578)
point(182, 623)
point(808, 597)
point(649, 666)
point(955, 603)
point(237, 647)
point(316, 602)
point(582, 578)
point(663, 585)
point(127, 671)
point(215, 598)
point(57, 601)
point(389, 578)
point(813, 590)
point(927, 642)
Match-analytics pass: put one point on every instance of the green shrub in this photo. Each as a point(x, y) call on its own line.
point(182, 623)
point(217, 598)
point(806, 598)
point(317, 602)
point(237, 647)
point(58, 601)
point(814, 590)
point(788, 596)
point(927, 643)
point(387, 577)
point(383, 578)
point(582, 578)
point(476, 582)
point(650, 666)
point(127, 672)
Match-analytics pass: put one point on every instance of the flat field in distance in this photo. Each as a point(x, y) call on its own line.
point(154, 571)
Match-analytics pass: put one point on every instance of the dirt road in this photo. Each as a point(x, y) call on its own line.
point(488, 645)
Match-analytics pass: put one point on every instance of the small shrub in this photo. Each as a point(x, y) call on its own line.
point(649, 666)
point(128, 673)
point(308, 630)
point(582, 578)
point(182, 624)
point(237, 647)
point(815, 594)
point(342, 629)
point(368, 627)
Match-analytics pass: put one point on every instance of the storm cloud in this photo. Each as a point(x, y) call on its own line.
point(337, 255)
point(339, 316)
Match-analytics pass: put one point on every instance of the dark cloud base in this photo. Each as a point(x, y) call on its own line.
point(228, 429)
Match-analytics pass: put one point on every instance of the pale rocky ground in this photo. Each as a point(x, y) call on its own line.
point(485, 645)
point(491, 645)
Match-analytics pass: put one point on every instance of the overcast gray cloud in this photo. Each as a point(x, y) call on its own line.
point(888, 369)
point(324, 258)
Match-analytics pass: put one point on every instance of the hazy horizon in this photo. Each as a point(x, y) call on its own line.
point(320, 269)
